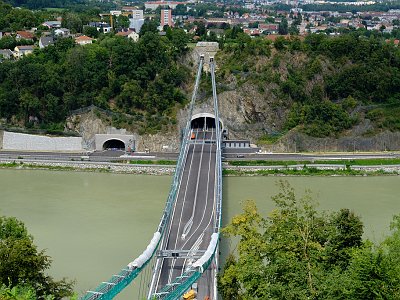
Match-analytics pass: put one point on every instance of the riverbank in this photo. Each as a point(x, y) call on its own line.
point(85, 166)
point(229, 170)
point(312, 170)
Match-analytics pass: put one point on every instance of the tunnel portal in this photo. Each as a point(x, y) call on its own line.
point(114, 144)
point(204, 121)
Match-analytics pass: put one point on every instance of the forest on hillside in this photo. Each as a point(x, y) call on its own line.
point(142, 79)
point(326, 84)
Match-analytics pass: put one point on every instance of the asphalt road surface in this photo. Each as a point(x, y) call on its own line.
point(193, 215)
point(115, 155)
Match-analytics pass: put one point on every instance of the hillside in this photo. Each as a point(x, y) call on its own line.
point(319, 94)
point(143, 79)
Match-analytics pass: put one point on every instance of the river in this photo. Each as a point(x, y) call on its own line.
point(93, 224)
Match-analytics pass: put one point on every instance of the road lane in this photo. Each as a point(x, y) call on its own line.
point(195, 203)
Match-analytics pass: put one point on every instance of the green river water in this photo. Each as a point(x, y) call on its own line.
point(93, 224)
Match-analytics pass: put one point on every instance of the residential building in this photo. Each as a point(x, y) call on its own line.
point(52, 24)
point(136, 24)
point(128, 8)
point(166, 18)
point(219, 33)
point(101, 26)
point(268, 28)
point(6, 54)
point(251, 31)
point(218, 21)
point(20, 51)
point(137, 20)
point(153, 5)
point(26, 35)
point(64, 32)
point(83, 40)
point(130, 34)
point(45, 41)
point(137, 14)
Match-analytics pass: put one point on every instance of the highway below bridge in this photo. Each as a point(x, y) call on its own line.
point(231, 154)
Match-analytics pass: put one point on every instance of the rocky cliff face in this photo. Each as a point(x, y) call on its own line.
point(87, 124)
point(248, 114)
point(91, 122)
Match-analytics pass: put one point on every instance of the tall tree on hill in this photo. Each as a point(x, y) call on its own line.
point(283, 28)
point(148, 26)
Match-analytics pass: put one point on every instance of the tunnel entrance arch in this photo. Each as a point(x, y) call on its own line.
point(204, 121)
point(114, 144)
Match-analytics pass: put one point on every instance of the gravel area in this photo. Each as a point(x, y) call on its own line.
point(167, 170)
point(92, 166)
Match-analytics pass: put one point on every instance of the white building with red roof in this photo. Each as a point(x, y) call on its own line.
point(83, 40)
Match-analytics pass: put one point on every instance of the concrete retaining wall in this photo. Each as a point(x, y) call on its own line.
point(1, 139)
point(26, 142)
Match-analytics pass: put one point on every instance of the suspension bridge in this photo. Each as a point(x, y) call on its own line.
point(183, 253)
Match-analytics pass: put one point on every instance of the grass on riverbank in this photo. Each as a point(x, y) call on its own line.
point(153, 162)
point(305, 171)
point(22, 165)
point(347, 162)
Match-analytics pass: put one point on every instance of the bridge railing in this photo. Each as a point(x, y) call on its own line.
point(177, 288)
point(218, 191)
point(110, 288)
point(182, 156)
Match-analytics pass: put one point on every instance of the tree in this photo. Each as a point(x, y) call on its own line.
point(283, 27)
point(201, 29)
point(180, 9)
point(228, 284)
point(21, 262)
point(8, 42)
point(284, 256)
point(122, 21)
point(72, 21)
point(19, 19)
point(91, 31)
point(299, 253)
point(148, 26)
point(179, 41)
point(293, 30)
point(346, 234)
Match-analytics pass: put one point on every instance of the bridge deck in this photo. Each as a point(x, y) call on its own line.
point(193, 216)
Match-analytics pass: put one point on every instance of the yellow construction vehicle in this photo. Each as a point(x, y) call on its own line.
point(189, 295)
